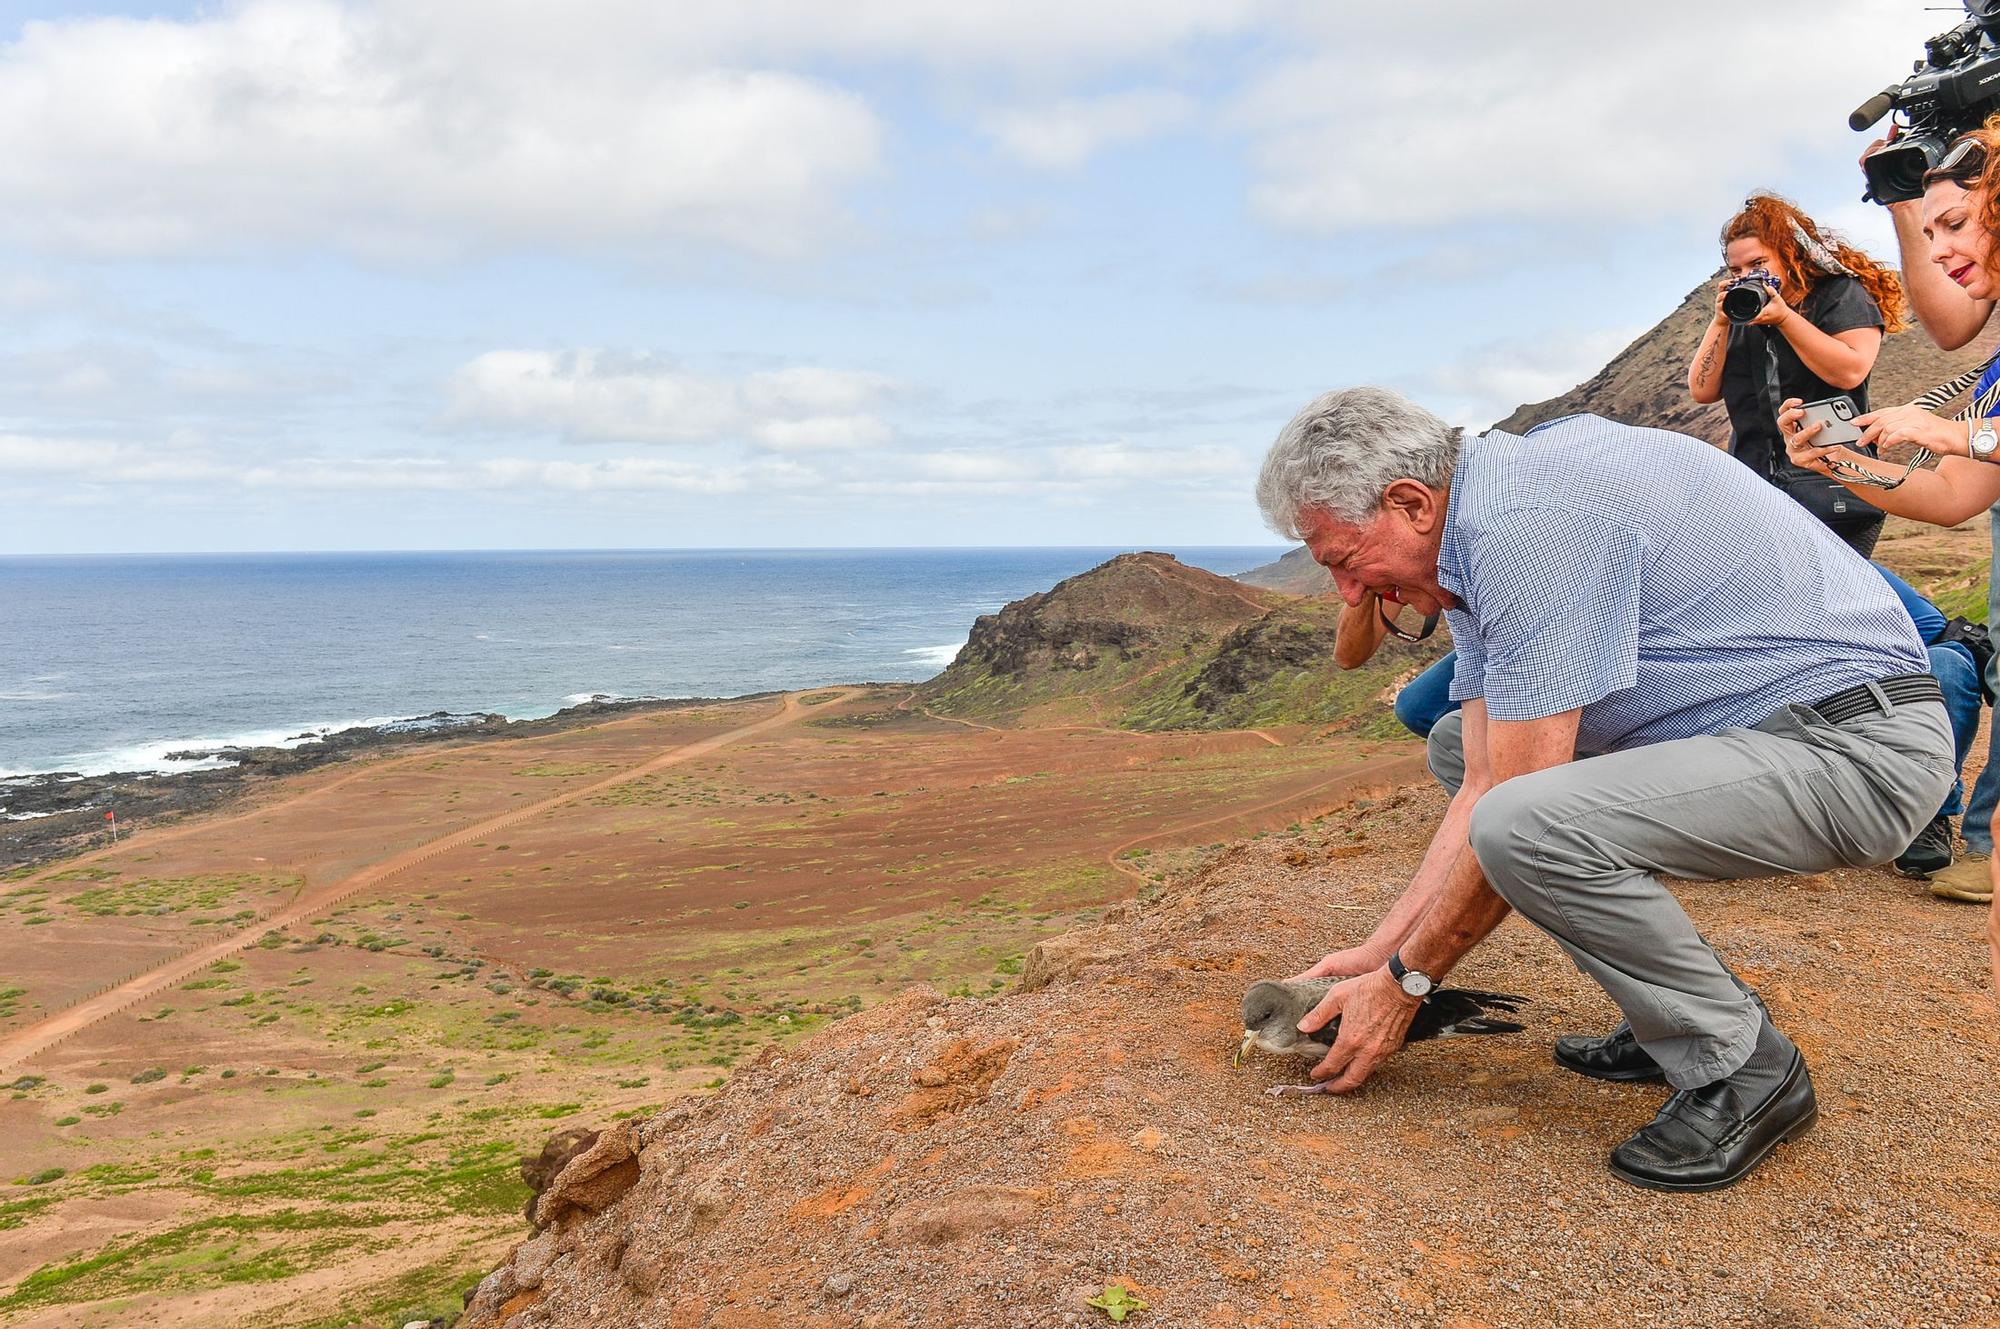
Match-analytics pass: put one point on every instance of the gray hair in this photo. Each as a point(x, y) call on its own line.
point(1341, 452)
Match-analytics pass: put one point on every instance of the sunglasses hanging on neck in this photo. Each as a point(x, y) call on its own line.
point(1430, 625)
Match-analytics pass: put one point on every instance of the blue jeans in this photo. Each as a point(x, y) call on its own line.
point(1958, 678)
point(1978, 827)
point(1426, 699)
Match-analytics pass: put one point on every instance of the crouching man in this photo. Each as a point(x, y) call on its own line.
point(1667, 667)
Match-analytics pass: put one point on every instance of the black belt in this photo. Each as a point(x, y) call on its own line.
point(1866, 698)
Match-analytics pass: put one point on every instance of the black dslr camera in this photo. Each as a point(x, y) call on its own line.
point(1745, 298)
point(1954, 88)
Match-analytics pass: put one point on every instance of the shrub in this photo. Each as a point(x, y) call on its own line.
point(149, 1075)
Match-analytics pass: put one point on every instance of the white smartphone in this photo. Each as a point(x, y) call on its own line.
point(1837, 414)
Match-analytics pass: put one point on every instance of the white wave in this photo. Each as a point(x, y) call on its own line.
point(937, 657)
point(152, 757)
point(25, 695)
point(579, 698)
point(5, 815)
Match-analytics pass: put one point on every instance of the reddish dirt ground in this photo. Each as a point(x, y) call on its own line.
point(995, 1163)
point(800, 873)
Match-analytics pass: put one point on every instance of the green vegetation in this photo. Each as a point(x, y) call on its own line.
point(1273, 670)
point(174, 895)
point(317, 1212)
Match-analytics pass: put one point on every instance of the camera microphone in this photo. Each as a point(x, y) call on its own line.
point(1866, 114)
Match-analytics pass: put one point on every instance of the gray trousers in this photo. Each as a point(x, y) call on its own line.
point(1577, 849)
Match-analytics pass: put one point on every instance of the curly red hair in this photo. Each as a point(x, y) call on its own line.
point(1776, 221)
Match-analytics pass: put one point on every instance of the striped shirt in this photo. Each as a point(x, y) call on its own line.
point(1654, 582)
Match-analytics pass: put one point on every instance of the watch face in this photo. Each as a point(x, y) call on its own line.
point(1417, 985)
point(1984, 441)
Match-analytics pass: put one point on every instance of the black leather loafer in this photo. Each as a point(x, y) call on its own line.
point(1615, 1056)
point(1708, 1138)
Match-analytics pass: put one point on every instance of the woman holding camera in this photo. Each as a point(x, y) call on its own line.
point(1959, 226)
point(1801, 314)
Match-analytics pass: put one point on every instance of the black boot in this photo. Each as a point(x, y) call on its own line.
point(1614, 1056)
point(1708, 1138)
point(1617, 1055)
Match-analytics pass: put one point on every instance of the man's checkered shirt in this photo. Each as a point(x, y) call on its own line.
point(1653, 581)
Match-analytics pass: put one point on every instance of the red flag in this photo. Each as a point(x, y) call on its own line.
point(111, 816)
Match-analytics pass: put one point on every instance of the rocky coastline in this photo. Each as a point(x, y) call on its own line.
point(58, 813)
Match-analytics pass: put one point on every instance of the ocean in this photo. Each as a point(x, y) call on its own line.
point(111, 663)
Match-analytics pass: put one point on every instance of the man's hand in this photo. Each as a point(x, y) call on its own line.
point(1344, 964)
point(1374, 1014)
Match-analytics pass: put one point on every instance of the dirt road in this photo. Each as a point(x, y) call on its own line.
point(26, 1042)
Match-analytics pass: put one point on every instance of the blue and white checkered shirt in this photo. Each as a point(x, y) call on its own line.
point(1654, 582)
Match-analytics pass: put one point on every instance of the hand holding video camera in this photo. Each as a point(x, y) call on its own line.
point(1953, 89)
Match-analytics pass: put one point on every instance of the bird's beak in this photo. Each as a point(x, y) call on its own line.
point(1249, 1037)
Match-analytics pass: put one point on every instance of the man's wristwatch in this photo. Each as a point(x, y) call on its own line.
point(1981, 441)
point(1415, 982)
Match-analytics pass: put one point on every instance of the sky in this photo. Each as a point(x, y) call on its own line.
point(508, 274)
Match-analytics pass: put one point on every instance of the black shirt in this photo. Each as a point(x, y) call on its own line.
point(1836, 304)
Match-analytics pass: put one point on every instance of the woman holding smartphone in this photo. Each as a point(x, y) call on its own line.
point(1826, 308)
point(1959, 227)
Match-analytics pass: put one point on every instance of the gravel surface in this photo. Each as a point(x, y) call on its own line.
point(996, 1162)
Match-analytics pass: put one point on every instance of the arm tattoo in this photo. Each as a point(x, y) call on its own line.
point(1707, 361)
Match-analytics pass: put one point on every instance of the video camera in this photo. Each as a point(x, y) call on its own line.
point(1954, 88)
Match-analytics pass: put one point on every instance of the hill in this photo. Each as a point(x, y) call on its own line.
point(1646, 384)
point(1146, 642)
point(996, 1162)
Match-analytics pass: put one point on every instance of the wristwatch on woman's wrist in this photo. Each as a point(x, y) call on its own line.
point(1980, 439)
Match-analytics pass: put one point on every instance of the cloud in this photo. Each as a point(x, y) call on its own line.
point(1428, 113)
point(1065, 469)
point(595, 396)
point(27, 459)
point(1033, 38)
point(365, 129)
point(525, 474)
point(1490, 381)
point(1064, 135)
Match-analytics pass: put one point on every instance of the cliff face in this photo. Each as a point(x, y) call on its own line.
point(996, 1162)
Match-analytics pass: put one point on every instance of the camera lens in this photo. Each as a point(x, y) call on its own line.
point(1744, 300)
point(1896, 173)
